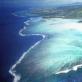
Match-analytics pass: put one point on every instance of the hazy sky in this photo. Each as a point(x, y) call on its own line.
point(42, 2)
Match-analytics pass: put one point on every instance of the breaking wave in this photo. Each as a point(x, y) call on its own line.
point(17, 77)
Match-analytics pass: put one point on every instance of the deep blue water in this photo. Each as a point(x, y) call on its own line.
point(12, 45)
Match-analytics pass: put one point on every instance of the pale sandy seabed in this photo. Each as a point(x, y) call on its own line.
point(69, 33)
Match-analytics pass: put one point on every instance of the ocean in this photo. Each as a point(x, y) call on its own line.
point(12, 45)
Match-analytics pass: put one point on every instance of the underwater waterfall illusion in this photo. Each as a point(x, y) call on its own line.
point(60, 50)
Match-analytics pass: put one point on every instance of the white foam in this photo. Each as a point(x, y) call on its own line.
point(11, 71)
point(17, 77)
point(74, 68)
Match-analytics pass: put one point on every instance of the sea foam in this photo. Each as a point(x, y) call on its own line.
point(18, 77)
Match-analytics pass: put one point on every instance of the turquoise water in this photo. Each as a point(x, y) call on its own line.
point(55, 58)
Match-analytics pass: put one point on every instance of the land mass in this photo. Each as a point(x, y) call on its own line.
point(66, 11)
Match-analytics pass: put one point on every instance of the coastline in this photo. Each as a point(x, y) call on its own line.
point(18, 77)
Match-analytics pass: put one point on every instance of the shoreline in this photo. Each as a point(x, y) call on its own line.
point(18, 77)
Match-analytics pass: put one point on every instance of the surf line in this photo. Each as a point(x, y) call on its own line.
point(18, 77)
point(12, 71)
point(74, 68)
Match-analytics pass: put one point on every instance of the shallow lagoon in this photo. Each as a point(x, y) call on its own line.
point(57, 54)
